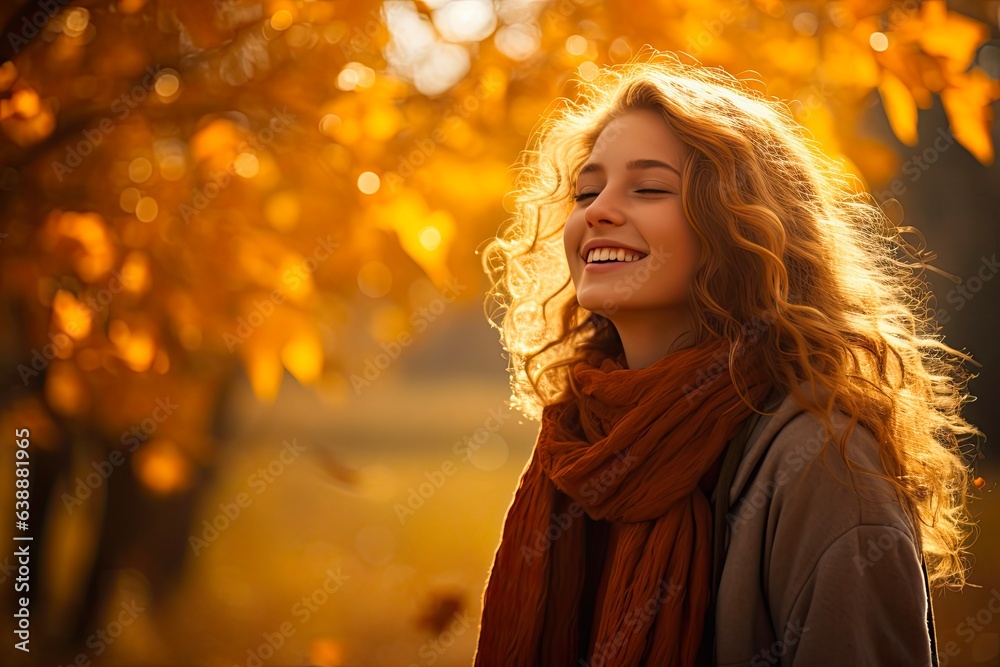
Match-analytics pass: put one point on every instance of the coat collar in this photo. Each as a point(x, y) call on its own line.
point(760, 438)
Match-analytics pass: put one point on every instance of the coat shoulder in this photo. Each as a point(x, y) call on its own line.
point(820, 550)
point(808, 470)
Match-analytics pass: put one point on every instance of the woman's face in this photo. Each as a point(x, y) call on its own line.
point(628, 209)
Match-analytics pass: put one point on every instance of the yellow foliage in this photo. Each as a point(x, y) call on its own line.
point(409, 184)
point(849, 61)
point(968, 105)
point(71, 316)
point(411, 218)
point(136, 273)
point(162, 466)
point(950, 35)
point(94, 256)
point(381, 121)
point(216, 143)
point(263, 367)
point(302, 355)
point(282, 210)
point(64, 389)
point(900, 107)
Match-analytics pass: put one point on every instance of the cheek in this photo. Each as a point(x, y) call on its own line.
point(686, 251)
point(572, 234)
point(682, 240)
point(692, 250)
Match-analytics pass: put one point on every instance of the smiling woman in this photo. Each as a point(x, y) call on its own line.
point(682, 260)
point(625, 204)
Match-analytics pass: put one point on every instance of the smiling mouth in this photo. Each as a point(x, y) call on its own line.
point(611, 255)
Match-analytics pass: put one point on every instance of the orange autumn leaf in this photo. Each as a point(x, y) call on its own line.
point(873, 158)
point(970, 115)
point(912, 70)
point(900, 107)
point(264, 371)
point(848, 62)
point(302, 355)
point(951, 36)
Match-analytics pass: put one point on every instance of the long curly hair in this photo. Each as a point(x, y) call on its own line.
point(798, 262)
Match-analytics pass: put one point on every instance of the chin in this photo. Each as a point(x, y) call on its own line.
point(596, 301)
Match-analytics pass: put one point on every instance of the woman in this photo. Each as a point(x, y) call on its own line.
point(681, 259)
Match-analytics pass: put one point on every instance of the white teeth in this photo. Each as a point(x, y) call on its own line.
point(619, 254)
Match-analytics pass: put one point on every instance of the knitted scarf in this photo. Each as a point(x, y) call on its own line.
point(631, 450)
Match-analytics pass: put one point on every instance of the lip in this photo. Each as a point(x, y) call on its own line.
point(610, 266)
point(608, 243)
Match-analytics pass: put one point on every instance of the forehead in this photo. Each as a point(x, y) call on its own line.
point(641, 133)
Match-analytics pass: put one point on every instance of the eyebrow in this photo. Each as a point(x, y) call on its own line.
point(631, 165)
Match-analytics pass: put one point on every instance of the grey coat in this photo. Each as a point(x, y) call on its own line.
point(817, 571)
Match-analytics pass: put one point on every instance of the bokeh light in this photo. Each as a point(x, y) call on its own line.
point(369, 182)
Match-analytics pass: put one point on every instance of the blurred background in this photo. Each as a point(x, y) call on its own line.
point(242, 304)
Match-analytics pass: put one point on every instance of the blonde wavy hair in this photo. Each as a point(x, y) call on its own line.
point(794, 251)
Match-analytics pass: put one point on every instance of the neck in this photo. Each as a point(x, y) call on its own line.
point(647, 336)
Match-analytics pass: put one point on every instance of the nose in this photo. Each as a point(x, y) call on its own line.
point(603, 209)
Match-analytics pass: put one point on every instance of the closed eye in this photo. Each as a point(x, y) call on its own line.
point(581, 197)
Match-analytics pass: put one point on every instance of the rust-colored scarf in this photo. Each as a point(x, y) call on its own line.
point(632, 451)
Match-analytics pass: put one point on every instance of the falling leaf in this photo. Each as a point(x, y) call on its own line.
point(440, 610)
